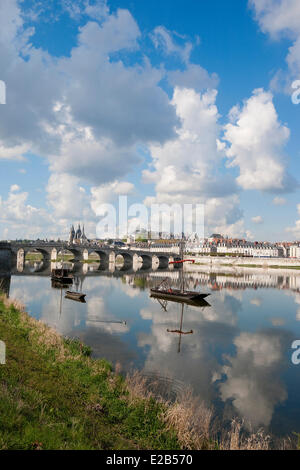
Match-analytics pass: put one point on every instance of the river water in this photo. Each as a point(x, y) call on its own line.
point(235, 352)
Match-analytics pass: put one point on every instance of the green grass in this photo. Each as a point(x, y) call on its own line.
point(54, 396)
point(34, 257)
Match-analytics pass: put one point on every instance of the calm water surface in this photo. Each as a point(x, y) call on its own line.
point(237, 351)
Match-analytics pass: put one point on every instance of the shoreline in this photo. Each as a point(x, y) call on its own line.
point(217, 264)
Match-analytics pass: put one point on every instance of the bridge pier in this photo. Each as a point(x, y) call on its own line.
point(112, 257)
point(5, 258)
point(112, 268)
point(21, 257)
point(171, 260)
point(54, 255)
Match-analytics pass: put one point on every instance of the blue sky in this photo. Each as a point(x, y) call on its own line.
point(172, 101)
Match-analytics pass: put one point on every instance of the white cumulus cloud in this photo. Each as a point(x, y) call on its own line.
point(281, 18)
point(186, 169)
point(256, 141)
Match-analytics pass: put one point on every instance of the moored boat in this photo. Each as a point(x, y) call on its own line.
point(165, 291)
point(177, 295)
point(78, 296)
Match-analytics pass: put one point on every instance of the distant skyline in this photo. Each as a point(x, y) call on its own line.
point(187, 102)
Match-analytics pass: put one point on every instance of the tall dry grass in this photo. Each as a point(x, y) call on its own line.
point(195, 423)
point(12, 303)
point(192, 420)
point(188, 416)
point(238, 439)
point(138, 387)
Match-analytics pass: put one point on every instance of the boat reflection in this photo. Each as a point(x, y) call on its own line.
point(196, 303)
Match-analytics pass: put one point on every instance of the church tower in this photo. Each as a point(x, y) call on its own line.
point(83, 236)
point(78, 233)
point(72, 235)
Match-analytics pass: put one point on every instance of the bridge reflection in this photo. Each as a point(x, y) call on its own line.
point(44, 268)
point(151, 276)
point(80, 270)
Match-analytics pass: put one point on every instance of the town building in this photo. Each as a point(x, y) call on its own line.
point(295, 251)
point(217, 244)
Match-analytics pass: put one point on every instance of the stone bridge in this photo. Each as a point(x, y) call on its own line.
point(107, 255)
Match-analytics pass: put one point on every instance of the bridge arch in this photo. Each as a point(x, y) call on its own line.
point(163, 261)
point(127, 259)
point(76, 253)
point(103, 255)
point(46, 253)
point(146, 260)
point(91, 255)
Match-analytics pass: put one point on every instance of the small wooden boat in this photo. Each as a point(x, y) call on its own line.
point(177, 295)
point(166, 292)
point(61, 275)
point(78, 296)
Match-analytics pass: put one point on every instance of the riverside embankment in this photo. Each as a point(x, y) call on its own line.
point(231, 264)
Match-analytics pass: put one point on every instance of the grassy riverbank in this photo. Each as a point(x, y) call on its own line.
point(55, 396)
